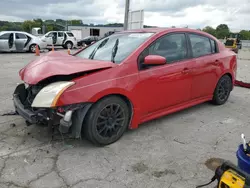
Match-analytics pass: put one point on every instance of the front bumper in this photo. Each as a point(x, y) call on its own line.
point(27, 113)
point(71, 119)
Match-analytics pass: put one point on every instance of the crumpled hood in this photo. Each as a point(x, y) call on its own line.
point(59, 63)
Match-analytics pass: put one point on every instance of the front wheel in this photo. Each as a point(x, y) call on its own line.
point(106, 121)
point(222, 90)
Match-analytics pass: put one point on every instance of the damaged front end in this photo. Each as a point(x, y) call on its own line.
point(37, 105)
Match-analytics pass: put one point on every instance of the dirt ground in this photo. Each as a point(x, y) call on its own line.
point(168, 152)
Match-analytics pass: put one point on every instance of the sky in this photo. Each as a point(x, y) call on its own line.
point(163, 13)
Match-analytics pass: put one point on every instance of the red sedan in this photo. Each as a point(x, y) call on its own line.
point(124, 80)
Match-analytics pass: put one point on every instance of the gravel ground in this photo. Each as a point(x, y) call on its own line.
point(167, 152)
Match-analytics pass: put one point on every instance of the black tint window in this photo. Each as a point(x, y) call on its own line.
point(70, 34)
point(20, 36)
point(200, 45)
point(60, 34)
point(5, 36)
point(172, 47)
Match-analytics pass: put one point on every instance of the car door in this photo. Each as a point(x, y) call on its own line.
point(48, 38)
point(4, 42)
point(165, 86)
point(20, 41)
point(207, 65)
point(60, 38)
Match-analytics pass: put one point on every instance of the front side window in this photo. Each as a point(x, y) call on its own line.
point(115, 48)
point(173, 47)
point(200, 45)
point(5, 36)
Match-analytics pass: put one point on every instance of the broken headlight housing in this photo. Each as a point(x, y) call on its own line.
point(49, 95)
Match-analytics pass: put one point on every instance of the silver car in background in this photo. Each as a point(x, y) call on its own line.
point(66, 39)
point(18, 41)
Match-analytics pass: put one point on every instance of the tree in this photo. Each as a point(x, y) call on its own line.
point(245, 35)
point(29, 24)
point(210, 30)
point(75, 22)
point(222, 31)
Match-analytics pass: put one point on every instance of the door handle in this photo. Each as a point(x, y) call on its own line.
point(185, 71)
point(216, 62)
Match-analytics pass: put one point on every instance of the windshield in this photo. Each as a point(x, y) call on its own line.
point(114, 48)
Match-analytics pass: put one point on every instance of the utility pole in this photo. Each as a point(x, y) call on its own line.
point(126, 14)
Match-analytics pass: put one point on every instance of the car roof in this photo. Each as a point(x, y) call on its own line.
point(165, 30)
point(23, 32)
point(59, 31)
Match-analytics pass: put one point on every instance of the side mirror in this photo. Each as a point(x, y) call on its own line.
point(155, 60)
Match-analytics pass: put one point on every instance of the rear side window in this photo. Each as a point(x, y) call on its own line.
point(200, 45)
point(213, 46)
point(5, 36)
point(60, 34)
point(20, 36)
point(70, 34)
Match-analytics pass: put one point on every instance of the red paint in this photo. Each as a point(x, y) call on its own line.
point(58, 63)
point(153, 92)
point(154, 60)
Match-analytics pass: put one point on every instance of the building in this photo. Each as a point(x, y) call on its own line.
point(81, 32)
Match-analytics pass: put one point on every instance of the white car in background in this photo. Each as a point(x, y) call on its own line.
point(66, 39)
point(18, 41)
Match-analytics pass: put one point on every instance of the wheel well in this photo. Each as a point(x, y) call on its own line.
point(68, 41)
point(35, 45)
point(228, 74)
point(125, 99)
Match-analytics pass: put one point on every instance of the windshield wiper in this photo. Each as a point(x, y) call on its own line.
point(92, 55)
point(114, 50)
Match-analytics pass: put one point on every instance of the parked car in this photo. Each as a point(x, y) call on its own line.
point(65, 39)
point(109, 33)
point(87, 40)
point(18, 41)
point(104, 89)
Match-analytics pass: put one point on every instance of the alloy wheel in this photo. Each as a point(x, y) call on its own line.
point(110, 120)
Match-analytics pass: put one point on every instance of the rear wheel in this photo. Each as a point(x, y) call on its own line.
point(222, 90)
point(32, 48)
point(69, 45)
point(106, 121)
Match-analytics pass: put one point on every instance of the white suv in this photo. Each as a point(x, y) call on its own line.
point(65, 39)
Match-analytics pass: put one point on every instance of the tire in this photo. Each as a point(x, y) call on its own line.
point(222, 90)
point(32, 48)
point(69, 45)
point(100, 127)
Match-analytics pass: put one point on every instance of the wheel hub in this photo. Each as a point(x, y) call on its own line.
point(111, 122)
